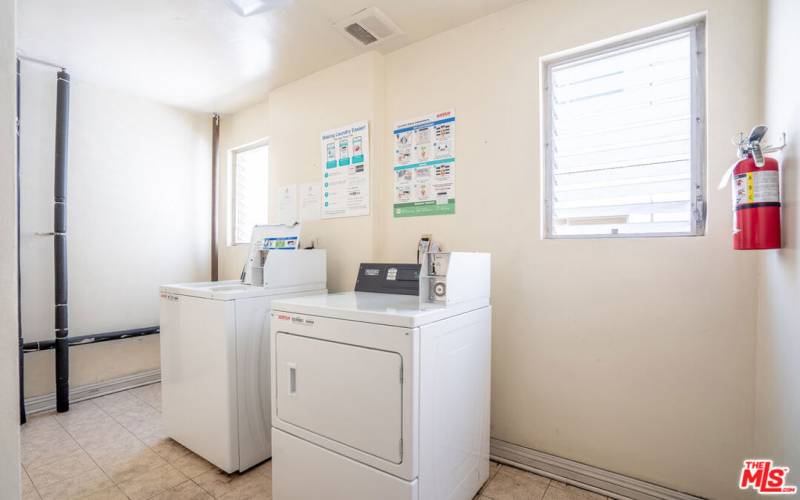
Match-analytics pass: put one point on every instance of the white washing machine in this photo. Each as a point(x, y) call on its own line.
point(215, 359)
point(376, 395)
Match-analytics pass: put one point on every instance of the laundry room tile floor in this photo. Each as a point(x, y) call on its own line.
point(114, 447)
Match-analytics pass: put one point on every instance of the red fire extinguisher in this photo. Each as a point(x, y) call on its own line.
point(756, 194)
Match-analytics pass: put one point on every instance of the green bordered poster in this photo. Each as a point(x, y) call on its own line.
point(424, 166)
point(345, 171)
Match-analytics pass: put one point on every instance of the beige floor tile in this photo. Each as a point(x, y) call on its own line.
point(493, 468)
point(264, 468)
point(113, 493)
point(93, 429)
point(41, 433)
point(254, 489)
point(561, 491)
point(119, 402)
point(141, 422)
point(124, 435)
point(151, 483)
point(79, 412)
point(150, 394)
point(74, 464)
point(39, 421)
point(112, 445)
point(192, 465)
point(102, 422)
point(41, 453)
point(187, 490)
point(84, 418)
point(216, 482)
point(132, 405)
point(132, 466)
point(252, 484)
point(100, 433)
point(514, 484)
point(35, 446)
point(249, 486)
point(116, 452)
point(167, 448)
point(77, 487)
point(28, 489)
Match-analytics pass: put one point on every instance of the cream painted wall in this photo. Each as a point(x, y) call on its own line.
point(235, 130)
point(139, 205)
point(778, 371)
point(9, 369)
point(297, 114)
point(623, 354)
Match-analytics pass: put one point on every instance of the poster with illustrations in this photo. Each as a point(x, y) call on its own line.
point(345, 171)
point(424, 166)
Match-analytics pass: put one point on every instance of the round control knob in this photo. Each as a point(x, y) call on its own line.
point(439, 289)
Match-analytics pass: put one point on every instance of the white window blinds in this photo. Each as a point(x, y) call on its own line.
point(249, 200)
point(624, 140)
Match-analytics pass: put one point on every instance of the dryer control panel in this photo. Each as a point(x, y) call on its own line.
point(401, 279)
point(451, 277)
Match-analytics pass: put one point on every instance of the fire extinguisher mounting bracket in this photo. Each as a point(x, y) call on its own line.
point(750, 146)
point(772, 149)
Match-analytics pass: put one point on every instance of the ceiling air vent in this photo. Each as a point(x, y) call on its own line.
point(359, 33)
point(368, 27)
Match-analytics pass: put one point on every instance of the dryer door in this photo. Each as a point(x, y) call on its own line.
point(346, 393)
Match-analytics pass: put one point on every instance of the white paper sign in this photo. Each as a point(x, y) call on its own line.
point(310, 205)
point(287, 204)
point(345, 171)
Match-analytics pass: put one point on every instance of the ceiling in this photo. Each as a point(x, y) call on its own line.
point(200, 55)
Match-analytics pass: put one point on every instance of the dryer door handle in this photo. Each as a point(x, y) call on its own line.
point(292, 378)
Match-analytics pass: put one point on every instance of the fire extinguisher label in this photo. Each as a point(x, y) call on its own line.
point(756, 187)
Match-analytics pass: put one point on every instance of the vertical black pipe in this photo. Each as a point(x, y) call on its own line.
point(22, 417)
point(60, 243)
point(214, 168)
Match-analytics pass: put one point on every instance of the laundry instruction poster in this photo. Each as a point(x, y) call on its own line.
point(345, 171)
point(425, 166)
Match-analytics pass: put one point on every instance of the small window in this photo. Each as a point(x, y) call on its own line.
point(624, 138)
point(249, 188)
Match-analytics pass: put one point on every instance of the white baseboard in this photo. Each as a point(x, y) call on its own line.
point(47, 402)
point(581, 475)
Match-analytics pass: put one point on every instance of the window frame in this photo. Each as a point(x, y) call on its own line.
point(232, 170)
point(696, 27)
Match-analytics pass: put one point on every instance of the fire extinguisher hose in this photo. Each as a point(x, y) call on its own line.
point(726, 177)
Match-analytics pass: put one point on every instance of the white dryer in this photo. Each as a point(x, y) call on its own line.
point(377, 396)
point(215, 359)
